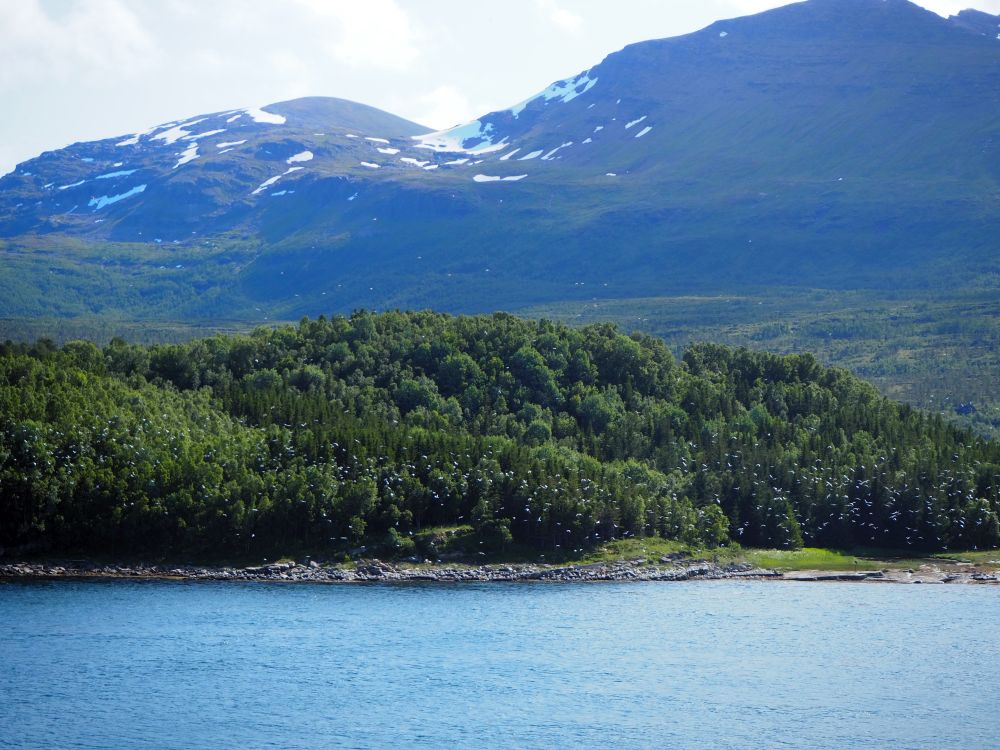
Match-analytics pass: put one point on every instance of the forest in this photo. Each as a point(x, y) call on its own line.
point(367, 429)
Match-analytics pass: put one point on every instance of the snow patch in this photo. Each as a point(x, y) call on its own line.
point(113, 175)
point(106, 200)
point(723, 34)
point(370, 165)
point(635, 122)
point(532, 155)
point(188, 154)
point(414, 162)
point(234, 118)
point(495, 178)
point(266, 184)
point(610, 174)
point(552, 153)
point(75, 184)
point(456, 161)
point(509, 154)
point(174, 134)
point(230, 144)
point(589, 140)
point(564, 91)
point(299, 157)
point(376, 140)
point(388, 151)
point(267, 118)
point(206, 134)
point(455, 139)
point(431, 167)
point(643, 132)
point(271, 180)
point(599, 128)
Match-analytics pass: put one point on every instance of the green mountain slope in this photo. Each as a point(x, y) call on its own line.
point(825, 144)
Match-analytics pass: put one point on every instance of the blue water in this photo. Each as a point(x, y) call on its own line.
point(694, 665)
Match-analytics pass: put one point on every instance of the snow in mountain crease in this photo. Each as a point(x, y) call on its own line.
point(552, 153)
point(494, 178)
point(112, 175)
point(206, 134)
point(105, 200)
point(271, 180)
point(188, 154)
point(565, 91)
point(175, 133)
point(454, 139)
point(267, 118)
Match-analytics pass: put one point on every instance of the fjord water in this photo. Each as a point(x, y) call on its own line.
point(713, 664)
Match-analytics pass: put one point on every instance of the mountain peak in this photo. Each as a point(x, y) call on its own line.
point(328, 111)
point(978, 22)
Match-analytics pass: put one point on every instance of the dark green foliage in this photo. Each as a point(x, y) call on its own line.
point(368, 429)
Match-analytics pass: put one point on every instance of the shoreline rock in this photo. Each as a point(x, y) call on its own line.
point(378, 571)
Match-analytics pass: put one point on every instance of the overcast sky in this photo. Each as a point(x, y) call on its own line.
point(87, 69)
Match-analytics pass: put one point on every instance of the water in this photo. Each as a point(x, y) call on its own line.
point(694, 665)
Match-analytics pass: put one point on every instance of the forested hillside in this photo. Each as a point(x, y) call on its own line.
point(369, 429)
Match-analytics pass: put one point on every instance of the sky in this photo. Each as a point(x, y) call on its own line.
point(79, 70)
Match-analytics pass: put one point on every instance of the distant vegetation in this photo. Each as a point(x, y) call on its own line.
point(938, 352)
point(371, 429)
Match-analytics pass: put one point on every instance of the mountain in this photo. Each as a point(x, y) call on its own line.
point(833, 144)
point(978, 22)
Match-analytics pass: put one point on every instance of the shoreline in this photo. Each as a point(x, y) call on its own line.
point(378, 571)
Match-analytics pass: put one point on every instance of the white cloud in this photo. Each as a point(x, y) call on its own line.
point(88, 38)
point(750, 7)
point(563, 19)
point(953, 7)
point(446, 106)
point(372, 34)
point(943, 8)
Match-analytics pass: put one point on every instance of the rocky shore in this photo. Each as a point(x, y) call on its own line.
point(373, 570)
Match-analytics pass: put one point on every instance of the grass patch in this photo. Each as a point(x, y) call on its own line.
point(988, 558)
point(810, 558)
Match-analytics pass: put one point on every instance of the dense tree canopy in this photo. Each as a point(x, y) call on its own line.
point(370, 428)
